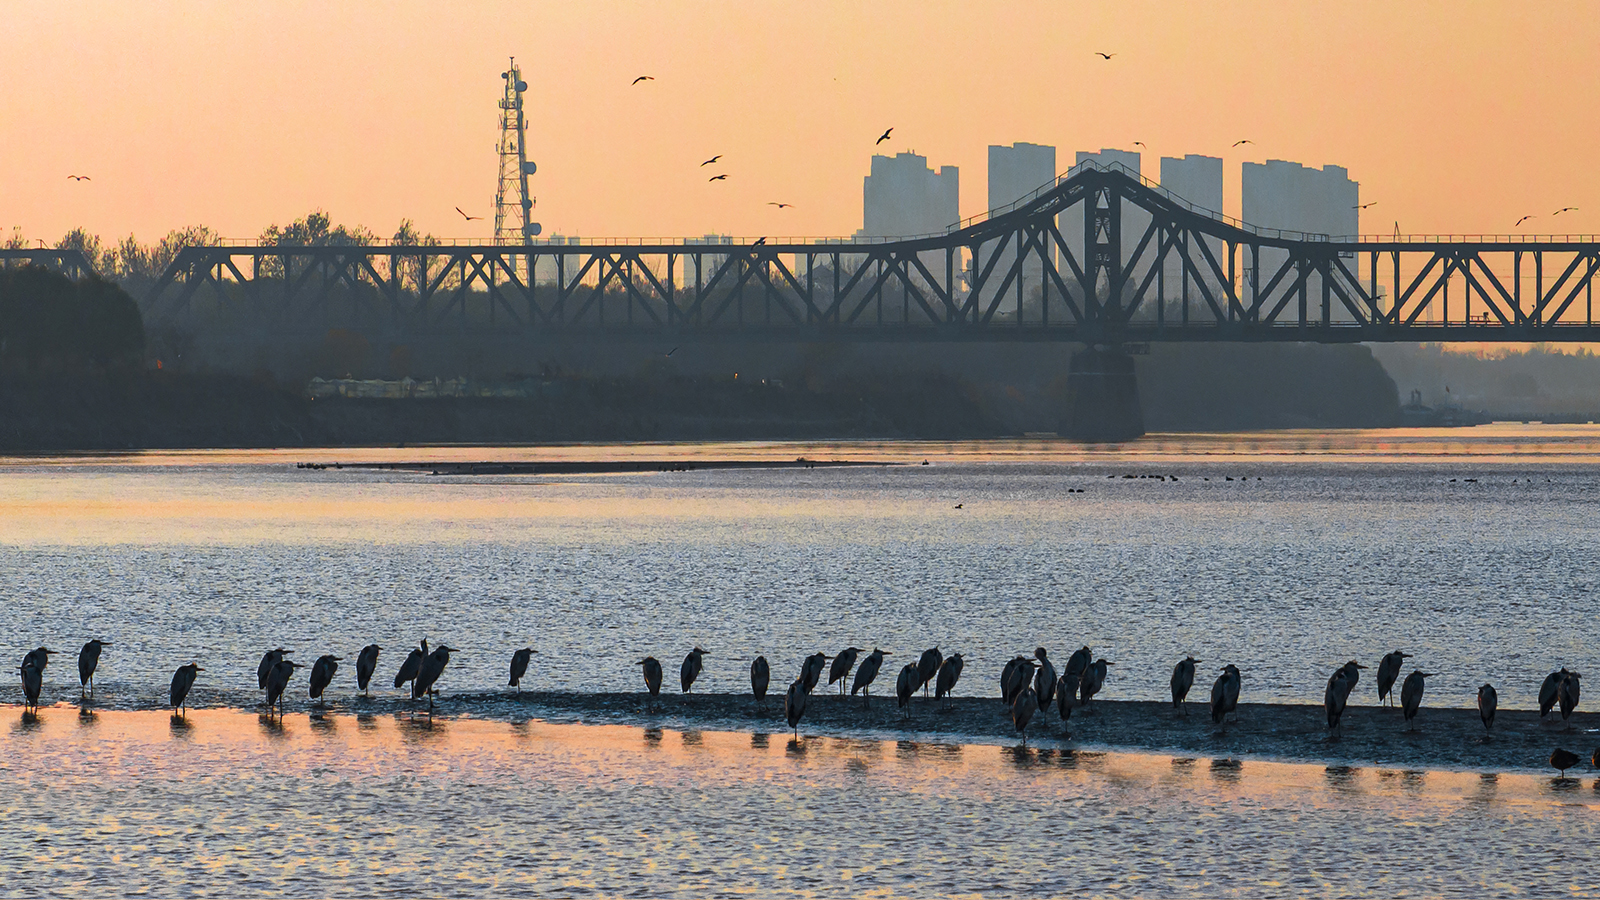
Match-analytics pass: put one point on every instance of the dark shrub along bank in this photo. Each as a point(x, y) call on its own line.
point(52, 324)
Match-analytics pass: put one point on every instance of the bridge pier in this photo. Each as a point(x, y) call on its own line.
point(1102, 398)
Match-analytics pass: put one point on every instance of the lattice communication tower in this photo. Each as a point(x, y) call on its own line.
point(513, 207)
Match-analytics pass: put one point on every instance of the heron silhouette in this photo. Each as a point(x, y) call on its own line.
point(691, 668)
point(1389, 673)
point(1225, 694)
point(519, 667)
point(182, 681)
point(1488, 702)
point(1182, 681)
point(366, 664)
point(88, 662)
point(843, 662)
point(794, 705)
point(268, 660)
point(866, 674)
point(322, 672)
point(412, 664)
point(760, 679)
point(949, 673)
point(428, 675)
point(652, 675)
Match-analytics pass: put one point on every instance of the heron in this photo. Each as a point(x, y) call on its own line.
point(1079, 661)
point(1335, 696)
point(1021, 675)
point(1094, 678)
point(1352, 671)
point(88, 661)
point(691, 668)
point(905, 686)
point(1008, 677)
point(1411, 694)
point(1022, 711)
point(38, 657)
point(1567, 696)
point(1389, 673)
point(412, 665)
point(760, 677)
point(322, 672)
point(866, 674)
point(268, 660)
point(842, 664)
point(1563, 760)
point(811, 670)
point(927, 667)
point(519, 667)
point(32, 683)
point(1182, 681)
point(1225, 693)
point(1488, 702)
point(794, 705)
point(652, 675)
point(277, 681)
point(1066, 697)
point(366, 664)
point(1044, 683)
point(428, 675)
point(1548, 691)
point(949, 673)
point(182, 681)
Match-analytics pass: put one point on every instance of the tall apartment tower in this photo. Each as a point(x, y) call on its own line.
point(1293, 197)
point(1015, 172)
point(902, 197)
point(1197, 179)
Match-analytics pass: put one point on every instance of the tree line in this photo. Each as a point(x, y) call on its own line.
point(50, 323)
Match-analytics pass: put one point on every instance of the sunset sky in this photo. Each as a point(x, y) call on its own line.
point(1455, 117)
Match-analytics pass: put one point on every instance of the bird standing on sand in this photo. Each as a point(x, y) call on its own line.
point(1014, 677)
point(32, 684)
point(322, 672)
point(1078, 662)
point(1488, 702)
point(1094, 678)
point(412, 664)
point(1335, 696)
point(519, 667)
point(811, 671)
point(905, 686)
point(794, 705)
point(1411, 694)
point(691, 668)
point(1182, 681)
point(760, 678)
point(652, 675)
point(1389, 673)
point(1066, 697)
point(277, 681)
point(1044, 683)
point(944, 683)
point(842, 664)
point(428, 675)
point(1548, 691)
point(366, 664)
point(1563, 760)
point(268, 660)
point(1225, 693)
point(1352, 671)
point(88, 661)
point(182, 681)
point(1022, 711)
point(1567, 696)
point(927, 667)
point(39, 657)
point(866, 674)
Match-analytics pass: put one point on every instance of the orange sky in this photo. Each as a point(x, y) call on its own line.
point(1453, 116)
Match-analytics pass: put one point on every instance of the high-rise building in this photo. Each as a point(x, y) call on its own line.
point(1198, 180)
point(902, 197)
point(1293, 197)
point(1015, 172)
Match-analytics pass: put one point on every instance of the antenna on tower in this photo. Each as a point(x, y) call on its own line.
point(513, 208)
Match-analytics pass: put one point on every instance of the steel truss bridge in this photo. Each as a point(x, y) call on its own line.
point(1098, 257)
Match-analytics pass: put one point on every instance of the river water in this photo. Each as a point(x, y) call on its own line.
point(1284, 553)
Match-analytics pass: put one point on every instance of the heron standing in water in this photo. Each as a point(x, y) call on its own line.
point(519, 667)
point(88, 661)
point(1335, 696)
point(1548, 691)
point(905, 687)
point(811, 671)
point(1563, 760)
point(1078, 662)
point(949, 674)
point(1567, 696)
point(1182, 681)
point(1022, 711)
point(412, 664)
point(1389, 673)
point(866, 674)
point(432, 668)
point(322, 672)
point(794, 705)
point(1488, 702)
point(366, 664)
point(1094, 678)
point(928, 666)
point(760, 678)
point(652, 675)
point(32, 684)
point(182, 681)
point(842, 664)
point(1010, 685)
point(1044, 683)
point(268, 660)
point(1225, 694)
point(1066, 696)
point(277, 681)
point(1411, 694)
point(691, 668)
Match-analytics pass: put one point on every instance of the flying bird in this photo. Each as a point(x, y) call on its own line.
point(644, 78)
point(883, 137)
point(1104, 55)
point(80, 178)
point(1365, 205)
point(718, 178)
point(1247, 141)
point(711, 160)
point(1138, 143)
point(1521, 220)
point(779, 205)
point(467, 217)
point(1564, 209)
point(672, 351)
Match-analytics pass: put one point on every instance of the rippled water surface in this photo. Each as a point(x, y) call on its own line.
point(227, 804)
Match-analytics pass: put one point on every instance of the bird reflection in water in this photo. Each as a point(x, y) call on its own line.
point(758, 741)
point(796, 747)
point(366, 721)
point(652, 737)
point(691, 738)
point(179, 726)
point(324, 724)
point(87, 717)
point(1226, 770)
point(1341, 778)
point(1021, 756)
point(29, 722)
point(271, 725)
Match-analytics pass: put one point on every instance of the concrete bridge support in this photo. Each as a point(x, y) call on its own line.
point(1102, 398)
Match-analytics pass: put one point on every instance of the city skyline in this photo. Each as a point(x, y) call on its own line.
point(400, 123)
